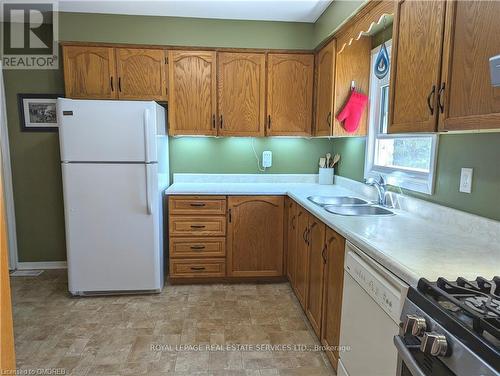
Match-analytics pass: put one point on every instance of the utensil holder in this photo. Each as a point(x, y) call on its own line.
point(325, 175)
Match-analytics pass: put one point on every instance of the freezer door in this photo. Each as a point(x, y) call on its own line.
point(112, 214)
point(108, 131)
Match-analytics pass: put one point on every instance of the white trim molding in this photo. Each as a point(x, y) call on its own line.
point(42, 265)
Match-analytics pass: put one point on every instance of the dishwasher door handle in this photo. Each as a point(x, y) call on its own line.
point(407, 357)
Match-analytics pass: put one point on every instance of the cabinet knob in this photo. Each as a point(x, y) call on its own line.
point(414, 325)
point(434, 344)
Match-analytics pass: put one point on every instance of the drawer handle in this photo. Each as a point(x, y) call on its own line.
point(197, 247)
point(198, 204)
point(197, 268)
point(197, 226)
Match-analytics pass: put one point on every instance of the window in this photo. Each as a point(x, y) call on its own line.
point(404, 160)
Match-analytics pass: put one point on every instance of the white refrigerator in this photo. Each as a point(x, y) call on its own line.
point(114, 159)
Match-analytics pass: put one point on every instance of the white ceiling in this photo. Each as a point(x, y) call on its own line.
point(266, 10)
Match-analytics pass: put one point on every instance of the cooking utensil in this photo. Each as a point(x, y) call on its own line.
point(328, 158)
point(335, 160)
point(322, 162)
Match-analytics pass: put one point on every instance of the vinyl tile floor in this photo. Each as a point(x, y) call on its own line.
point(226, 330)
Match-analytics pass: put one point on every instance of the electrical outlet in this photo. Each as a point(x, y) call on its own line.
point(267, 158)
point(466, 180)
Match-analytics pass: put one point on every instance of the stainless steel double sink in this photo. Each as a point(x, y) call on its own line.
point(349, 206)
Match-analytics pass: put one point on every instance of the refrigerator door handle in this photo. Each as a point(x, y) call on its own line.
point(146, 135)
point(149, 203)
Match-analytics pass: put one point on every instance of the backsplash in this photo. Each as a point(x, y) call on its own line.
point(480, 151)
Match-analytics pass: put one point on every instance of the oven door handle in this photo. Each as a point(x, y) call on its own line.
point(407, 358)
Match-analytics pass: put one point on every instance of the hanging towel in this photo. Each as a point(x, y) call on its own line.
point(352, 111)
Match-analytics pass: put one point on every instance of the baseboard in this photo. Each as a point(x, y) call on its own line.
point(42, 265)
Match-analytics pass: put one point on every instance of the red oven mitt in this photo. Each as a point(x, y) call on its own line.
point(352, 111)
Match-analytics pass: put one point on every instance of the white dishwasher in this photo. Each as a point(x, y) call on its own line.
point(371, 306)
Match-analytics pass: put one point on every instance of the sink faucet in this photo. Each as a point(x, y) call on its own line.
point(381, 187)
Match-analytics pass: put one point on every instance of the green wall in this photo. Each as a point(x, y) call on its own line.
point(333, 17)
point(235, 154)
point(481, 151)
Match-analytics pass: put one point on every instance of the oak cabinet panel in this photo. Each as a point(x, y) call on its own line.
point(415, 68)
point(197, 268)
point(333, 282)
point(316, 240)
point(197, 247)
point(468, 99)
point(89, 72)
point(141, 74)
point(291, 241)
point(192, 93)
point(325, 70)
point(289, 94)
point(255, 236)
point(241, 89)
point(197, 226)
point(352, 64)
point(302, 256)
point(197, 205)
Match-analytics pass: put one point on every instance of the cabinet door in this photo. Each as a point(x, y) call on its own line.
point(241, 88)
point(332, 293)
point(314, 304)
point(416, 65)
point(89, 72)
point(192, 93)
point(352, 65)
point(325, 69)
point(468, 100)
point(141, 74)
point(289, 94)
point(291, 241)
point(255, 236)
point(302, 259)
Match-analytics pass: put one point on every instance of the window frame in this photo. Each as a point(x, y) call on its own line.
point(422, 182)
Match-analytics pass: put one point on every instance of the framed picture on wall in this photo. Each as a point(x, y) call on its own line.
point(37, 112)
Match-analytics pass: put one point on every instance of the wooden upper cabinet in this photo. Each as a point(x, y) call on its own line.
point(192, 93)
point(316, 268)
point(141, 74)
point(416, 64)
point(241, 89)
point(255, 236)
point(352, 65)
point(89, 72)
point(289, 94)
point(325, 71)
point(468, 99)
point(332, 293)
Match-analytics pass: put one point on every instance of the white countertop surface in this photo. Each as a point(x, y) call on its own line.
point(408, 245)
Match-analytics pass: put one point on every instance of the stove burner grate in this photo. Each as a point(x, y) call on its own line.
point(479, 300)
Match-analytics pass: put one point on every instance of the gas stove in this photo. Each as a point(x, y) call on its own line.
point(451, 328)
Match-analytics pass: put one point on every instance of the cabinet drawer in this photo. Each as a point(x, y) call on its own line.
point(197, 226)
point(197, 247)
point(180, 268)
point(197, 205)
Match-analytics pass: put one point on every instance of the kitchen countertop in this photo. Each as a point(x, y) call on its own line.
point(408, 245)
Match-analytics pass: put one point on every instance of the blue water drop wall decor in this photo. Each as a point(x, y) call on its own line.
point(382, 63)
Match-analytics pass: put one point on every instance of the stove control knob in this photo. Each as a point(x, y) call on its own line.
point(434, 344)
point(414, 325)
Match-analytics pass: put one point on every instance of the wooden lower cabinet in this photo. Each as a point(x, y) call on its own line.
point(255, 236)
point(333, 282)
point(291, 235)
point(316, 265)
point(302, 256)
point(195, 268)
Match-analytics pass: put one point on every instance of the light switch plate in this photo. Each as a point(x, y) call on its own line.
point(267, 158)
point(466, 180)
